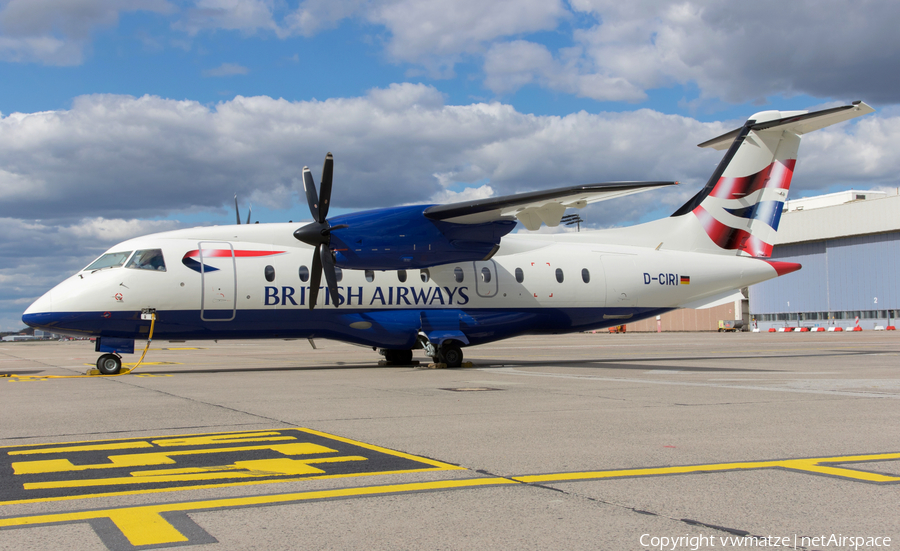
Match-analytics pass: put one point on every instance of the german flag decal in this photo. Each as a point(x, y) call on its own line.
point(685, 280)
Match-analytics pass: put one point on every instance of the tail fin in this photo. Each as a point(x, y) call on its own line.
point(740, 206)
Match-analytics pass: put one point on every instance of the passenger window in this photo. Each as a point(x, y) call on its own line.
point(401, 275)
point(304, 274)
point(148, 259)
point(458, 274)
point(520, 275)
point(270, 274)
point(338, 273)
point(370, 275)
point(109, 260)
point(559, 275)
point(486, 275)
point(425, 275)
point(585, 275)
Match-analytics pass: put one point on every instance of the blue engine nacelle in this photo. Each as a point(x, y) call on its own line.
point(402, 237)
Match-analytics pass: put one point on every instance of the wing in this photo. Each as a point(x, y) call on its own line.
point(537, 207)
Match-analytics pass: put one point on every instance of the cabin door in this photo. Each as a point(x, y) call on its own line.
point(218, 281)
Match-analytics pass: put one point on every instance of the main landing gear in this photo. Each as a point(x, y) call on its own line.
point(109, 364)
point(398, 357)
point(449, 353)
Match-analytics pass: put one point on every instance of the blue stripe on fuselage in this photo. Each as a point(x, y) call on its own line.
point(397, 328)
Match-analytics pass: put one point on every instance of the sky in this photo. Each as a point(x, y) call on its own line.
point(121, 118)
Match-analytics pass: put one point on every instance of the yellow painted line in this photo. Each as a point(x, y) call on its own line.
point(86, 448)
point(234, 435)
point(215, 486)
point(219, 438)
point(145, 526)
point(440, 464)
point(818, 465)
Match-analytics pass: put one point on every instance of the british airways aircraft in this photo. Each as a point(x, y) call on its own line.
point(444, 277)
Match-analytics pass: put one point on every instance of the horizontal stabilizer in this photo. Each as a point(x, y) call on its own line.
point(727, 297)
point(799, 122)
point(535, 208)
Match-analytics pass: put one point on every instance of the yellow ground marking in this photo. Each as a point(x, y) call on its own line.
point(144, 526)
point(206, 440)
point(233, 437)
point(817, 465)
point(156, 458)
point(180, 348)
point(262, 468)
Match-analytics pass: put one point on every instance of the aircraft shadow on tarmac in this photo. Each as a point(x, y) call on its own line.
point(635, 364)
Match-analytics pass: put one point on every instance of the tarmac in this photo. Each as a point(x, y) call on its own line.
point(583, 441)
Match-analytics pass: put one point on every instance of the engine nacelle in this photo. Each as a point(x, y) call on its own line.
point(402, 237)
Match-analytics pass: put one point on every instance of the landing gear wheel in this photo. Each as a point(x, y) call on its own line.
point(451, 354)
point(109, 364)
point(398, 357)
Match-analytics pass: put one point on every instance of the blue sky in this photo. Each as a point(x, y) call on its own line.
point(123, 118)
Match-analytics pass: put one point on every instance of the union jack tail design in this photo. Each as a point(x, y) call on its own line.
point(740, 207)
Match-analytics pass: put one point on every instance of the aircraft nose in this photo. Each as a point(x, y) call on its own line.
point(36, 314)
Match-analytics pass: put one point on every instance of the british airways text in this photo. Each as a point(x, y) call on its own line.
point(381, 296)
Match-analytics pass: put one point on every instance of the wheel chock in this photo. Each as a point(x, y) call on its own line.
point(93, 371)
point(444, 366)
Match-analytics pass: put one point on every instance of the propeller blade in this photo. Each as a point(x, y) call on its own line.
point(237, 213)
point(311, 196)
point(249, 212)
point(325, 187)
point(315, 278)
point(330, 275)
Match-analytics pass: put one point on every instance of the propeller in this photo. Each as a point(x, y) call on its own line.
point(237, 212)
point(318, 232)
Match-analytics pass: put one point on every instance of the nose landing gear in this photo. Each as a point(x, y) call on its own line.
point(109, 364)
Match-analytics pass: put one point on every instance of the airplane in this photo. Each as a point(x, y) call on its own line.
point(444, 277)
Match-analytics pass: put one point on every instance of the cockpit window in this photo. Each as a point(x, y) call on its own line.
point(148, 259)
point(109, 260)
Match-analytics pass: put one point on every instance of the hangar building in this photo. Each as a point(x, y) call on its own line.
point(849, 245)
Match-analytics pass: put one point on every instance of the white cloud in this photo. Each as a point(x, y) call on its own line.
point(747, 51)
point(511, 65)
point(466, 194)
point(434, 33)
point(56, 32)
point(118, 156)
point(248, 16)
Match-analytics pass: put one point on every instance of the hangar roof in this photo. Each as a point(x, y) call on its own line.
point(856, 217)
